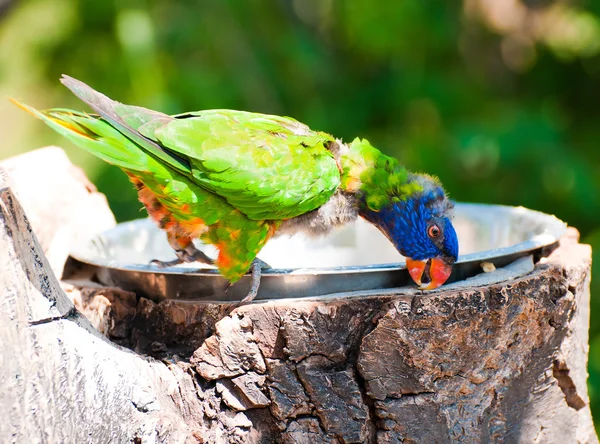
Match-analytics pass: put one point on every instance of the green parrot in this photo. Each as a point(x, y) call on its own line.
point(236, 179)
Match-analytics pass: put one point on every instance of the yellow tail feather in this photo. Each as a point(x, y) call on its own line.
point(44, 115)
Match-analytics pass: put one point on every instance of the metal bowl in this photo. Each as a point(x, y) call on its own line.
point(356, 257)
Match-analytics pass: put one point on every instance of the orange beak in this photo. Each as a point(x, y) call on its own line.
point(429, 274)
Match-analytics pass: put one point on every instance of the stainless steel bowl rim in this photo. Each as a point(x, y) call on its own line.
point(555, 229)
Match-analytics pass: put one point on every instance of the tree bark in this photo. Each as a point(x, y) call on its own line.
point(63, 206)
point(500, 358)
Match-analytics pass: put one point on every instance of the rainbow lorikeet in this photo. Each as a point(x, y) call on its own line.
point(235, 179)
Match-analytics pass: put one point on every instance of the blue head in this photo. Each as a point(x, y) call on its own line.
point(420, 228)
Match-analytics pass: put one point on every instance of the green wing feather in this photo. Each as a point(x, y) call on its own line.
point(268, 167)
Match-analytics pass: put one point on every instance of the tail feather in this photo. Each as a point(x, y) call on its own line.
point(126, 119)
point(93, 135)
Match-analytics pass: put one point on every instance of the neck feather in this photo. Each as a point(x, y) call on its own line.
point(378, 180)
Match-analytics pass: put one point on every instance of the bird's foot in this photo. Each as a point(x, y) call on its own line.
point(256, 273)
point(185, 255)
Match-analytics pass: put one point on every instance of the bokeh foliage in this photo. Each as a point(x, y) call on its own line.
point(498, 98)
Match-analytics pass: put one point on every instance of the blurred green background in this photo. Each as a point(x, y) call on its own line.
point(499, 98)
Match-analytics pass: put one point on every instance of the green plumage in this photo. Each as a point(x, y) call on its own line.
point(380, 178)
point(228, 177)
point(258, 163)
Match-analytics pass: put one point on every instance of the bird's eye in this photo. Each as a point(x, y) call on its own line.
point(434, 231)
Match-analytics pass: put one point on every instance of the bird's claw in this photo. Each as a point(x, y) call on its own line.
point(165, 264)
point(186, 255)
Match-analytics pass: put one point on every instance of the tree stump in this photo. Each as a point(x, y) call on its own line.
point(496, 359)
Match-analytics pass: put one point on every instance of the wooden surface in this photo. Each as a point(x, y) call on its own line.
point(63, 206)
point(503, 362)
